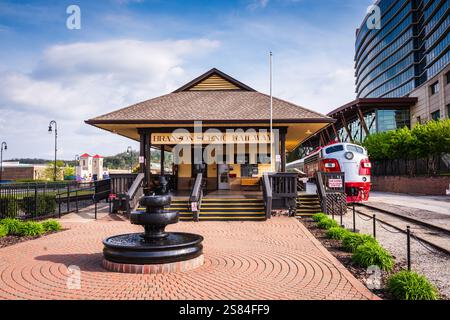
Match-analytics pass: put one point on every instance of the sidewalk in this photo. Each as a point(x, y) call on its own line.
point(277, 259)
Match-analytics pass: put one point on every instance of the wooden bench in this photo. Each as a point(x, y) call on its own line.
point(250, 182)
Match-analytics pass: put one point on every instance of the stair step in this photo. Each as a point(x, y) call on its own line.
point(234, 214)
point(233, 218)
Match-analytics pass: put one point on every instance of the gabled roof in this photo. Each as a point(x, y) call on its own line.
point(97, 156)
point(85, 155)
point(188, 104)
point(217, 80)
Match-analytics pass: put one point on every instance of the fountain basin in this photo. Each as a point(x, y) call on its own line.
point(131, 249)
point(154, 250)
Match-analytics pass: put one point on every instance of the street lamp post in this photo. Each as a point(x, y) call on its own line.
point(3, 146)
point(130, 152)
point(50, 130)
point(77, 164)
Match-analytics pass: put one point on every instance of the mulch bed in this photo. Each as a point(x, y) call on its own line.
point(11, 240)
point(335, 248)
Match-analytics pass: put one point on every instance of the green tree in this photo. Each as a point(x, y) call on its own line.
point(49, 171)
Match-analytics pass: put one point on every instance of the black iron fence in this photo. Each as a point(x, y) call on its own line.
point(53, 199)
point(432, 165)
point(331, 192)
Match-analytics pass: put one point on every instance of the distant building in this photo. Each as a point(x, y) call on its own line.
point(90, 167)
point(13, 170)
point(402, 73)
point(408, 57)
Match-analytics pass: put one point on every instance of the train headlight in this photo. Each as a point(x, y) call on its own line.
point(349, 155)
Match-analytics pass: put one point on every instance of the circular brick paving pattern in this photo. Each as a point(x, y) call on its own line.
point(277, 259)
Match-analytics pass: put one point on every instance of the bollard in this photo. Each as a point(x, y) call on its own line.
point(408, 247)
point(354, 218)
point(374, 226)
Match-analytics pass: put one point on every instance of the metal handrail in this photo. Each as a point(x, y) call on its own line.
point(135, 192)
point(267, 195)
point(321, 191)
point(196, 195)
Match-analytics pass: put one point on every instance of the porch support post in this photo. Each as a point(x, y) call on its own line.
point(283, 149)
point(148, 162)
point(162, 159)
point(143, 138)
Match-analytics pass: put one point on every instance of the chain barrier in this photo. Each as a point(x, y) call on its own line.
point(381, 225)
point(425, 246)
point(361, 217)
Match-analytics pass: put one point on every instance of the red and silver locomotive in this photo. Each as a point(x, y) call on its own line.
point(349, 158)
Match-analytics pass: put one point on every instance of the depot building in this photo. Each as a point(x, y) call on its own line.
point(217, 126)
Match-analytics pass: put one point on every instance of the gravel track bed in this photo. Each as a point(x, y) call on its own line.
point(429, 262)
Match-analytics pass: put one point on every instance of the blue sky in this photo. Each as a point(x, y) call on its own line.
point(131, 50)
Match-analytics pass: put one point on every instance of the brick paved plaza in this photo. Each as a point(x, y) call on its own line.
point(277, 259)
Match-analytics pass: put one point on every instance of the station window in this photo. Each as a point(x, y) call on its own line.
point(419, 120)
point(434, 88)
point(447, 76)
point(448, 111)
point(249, 170)
point(436, 115)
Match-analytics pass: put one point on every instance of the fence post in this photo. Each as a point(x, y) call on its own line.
point(342, 213)
point(59, 205)
point(375, 226)
point(95, 201)
point(68, 198)
point(76, 198)
point(35, 200)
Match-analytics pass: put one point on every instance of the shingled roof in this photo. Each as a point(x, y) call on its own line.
point(214, 96)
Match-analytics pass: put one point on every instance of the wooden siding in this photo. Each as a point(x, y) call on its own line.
point(214, 82)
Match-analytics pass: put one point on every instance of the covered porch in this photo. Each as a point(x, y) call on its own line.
point(215, 137)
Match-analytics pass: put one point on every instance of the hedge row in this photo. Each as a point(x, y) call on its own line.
point(423, 140)
point(43, 205)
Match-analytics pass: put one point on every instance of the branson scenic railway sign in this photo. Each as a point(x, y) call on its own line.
point(239, 137)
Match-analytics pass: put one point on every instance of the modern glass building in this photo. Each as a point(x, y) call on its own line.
point(411, 47)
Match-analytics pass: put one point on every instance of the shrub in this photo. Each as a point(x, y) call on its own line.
point(327, 224)
point(319, 216)
point(3, 231)
point(408, 285)
point(9, 207)
point(421, 141)
point(31, 229)
point(46, 204)
point(352, 240)
point(12, 225)
point(51, 225)
point(336, 233)
point(372, 254)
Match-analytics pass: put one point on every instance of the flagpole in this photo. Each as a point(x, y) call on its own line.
point(271, 116)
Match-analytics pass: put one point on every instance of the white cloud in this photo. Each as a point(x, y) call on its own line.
point(258, 4)
point(74, 82)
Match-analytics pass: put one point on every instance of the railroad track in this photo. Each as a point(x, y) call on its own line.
point(430, 234)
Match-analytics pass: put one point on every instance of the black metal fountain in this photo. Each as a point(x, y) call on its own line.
point(154, 250)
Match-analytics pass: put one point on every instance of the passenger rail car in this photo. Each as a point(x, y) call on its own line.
point(340, 157)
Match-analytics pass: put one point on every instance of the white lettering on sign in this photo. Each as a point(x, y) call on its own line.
point(335, 183)
point(210, 138)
